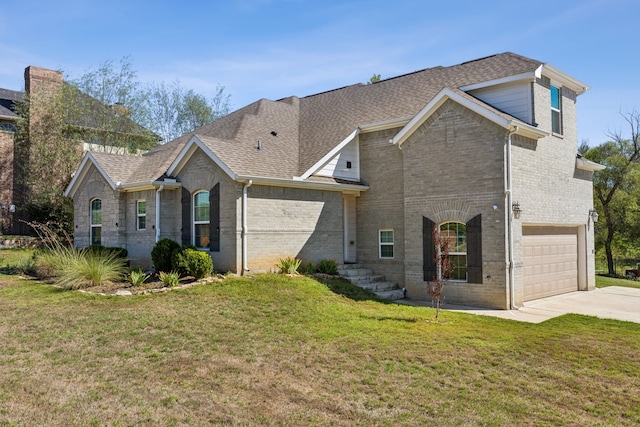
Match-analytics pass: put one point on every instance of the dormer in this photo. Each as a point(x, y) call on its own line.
point(534, 97)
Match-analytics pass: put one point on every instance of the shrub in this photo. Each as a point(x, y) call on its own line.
point(117, 251)
point(85, 268)
point(307, 268)
point(193, 262)
point(22, 266)
point(170, 279)
point(161, 254)
point(328, 266)
point(137, 277)
point(289, 265)
point(177, 257)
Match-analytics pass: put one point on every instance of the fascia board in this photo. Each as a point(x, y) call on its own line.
point(564, 79)
point(297, 183)
point(151, 185)
point(188, 151)
point(526, 130)
point(435, 103)
point(82, 171)
point(386, 124)
point(530, 76)
point(588, 165)
point(327, 157)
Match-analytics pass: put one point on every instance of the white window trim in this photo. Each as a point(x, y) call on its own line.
point(194, 222)
point(454, 253)
point(556, 110)
point(139, 215)
point(92, 226)
point(381, 244)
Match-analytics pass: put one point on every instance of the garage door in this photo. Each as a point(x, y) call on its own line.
point(550, 264)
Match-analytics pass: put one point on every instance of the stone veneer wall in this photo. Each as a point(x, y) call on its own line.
point(201, 173)
point(454, 170)
point(382, 206)
point(113, 212)
point(283, 222)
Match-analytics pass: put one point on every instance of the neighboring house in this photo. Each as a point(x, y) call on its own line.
point(96, 127)
point(485, 150)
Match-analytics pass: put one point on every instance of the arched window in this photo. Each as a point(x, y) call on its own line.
point(96, 222)
point(456, 235)
point(201, 220)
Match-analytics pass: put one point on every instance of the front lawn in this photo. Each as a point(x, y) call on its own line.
point(604, 281)
point(273, 350)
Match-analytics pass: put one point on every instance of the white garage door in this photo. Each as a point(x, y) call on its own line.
point(550, 264)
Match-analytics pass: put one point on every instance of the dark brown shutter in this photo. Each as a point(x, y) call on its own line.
point(214, 218)
point(474, 250)
point(186, 216)
point(428, 250)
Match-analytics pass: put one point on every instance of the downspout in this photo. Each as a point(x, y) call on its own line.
point(158, 191)
point(245, 268)
point(509, 194)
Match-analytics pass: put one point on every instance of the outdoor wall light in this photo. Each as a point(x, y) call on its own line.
point(516, 210)
point(594, 215)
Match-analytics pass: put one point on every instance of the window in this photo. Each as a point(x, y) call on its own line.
point(96, 222)
point(142, 214)
point(556, 110)
point(385, 237)
point(201, 218)
point(8, 127)
point(456, 235)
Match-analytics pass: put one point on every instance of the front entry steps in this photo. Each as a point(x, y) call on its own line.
point(366, 279)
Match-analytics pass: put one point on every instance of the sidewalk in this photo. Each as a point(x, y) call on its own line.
point(612, 302)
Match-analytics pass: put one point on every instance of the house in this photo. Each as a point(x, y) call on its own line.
point(87, 122)
point(485, 150)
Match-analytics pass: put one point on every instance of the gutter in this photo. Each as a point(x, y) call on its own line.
point(245, 267)
point(509, 210)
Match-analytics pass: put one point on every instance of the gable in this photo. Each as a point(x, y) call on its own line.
point(501, 119)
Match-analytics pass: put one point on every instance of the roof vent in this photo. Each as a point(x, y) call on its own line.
point(259, 147)
point(274, 133)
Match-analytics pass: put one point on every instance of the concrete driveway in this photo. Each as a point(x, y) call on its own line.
point(612, 302)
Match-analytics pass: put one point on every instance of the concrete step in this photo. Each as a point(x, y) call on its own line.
point(354, 272)
point(362, 280)
point(379, 286)
point(391, 295)
point(349, 266)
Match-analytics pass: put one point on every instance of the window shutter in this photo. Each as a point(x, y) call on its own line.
point(186, 216)
point(214, 218)
point(428, 250)
point(474, 250)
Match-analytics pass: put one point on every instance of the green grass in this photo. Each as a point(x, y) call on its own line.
point(276, 350)
point(604, 281)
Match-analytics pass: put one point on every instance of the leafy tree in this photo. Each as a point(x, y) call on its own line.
point(168, 110)
point(616, 188)
point(106, 109)
point(174, 110)
point(374, 78)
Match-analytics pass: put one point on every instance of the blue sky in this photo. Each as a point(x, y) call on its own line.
point(277, 48)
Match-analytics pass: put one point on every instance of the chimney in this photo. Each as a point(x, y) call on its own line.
point(36, 76)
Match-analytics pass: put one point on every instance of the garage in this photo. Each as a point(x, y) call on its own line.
point(550, 261)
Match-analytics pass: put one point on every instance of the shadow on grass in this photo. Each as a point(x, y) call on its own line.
point(344, 287)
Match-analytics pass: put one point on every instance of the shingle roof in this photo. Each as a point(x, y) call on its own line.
point(8, 98)
point(124, 169)
point(306, 129)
